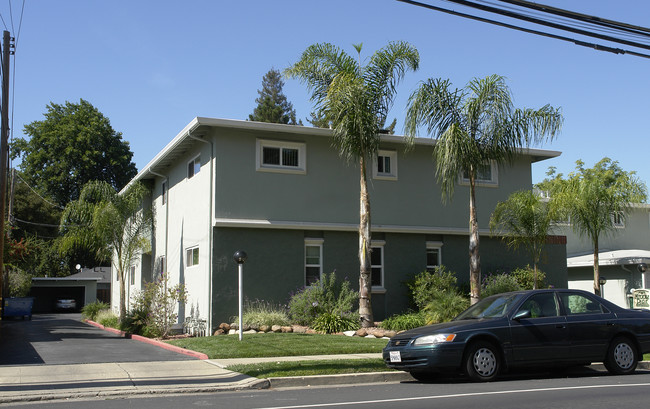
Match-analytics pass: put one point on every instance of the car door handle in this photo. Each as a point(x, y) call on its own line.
point(610, 324)
point(560, 326)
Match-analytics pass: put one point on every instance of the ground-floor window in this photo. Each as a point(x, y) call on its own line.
point(434, 252)
point(377, 263)
point(192, 256)
point(313, 260)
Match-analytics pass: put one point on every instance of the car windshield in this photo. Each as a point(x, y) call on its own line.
point(492, 307)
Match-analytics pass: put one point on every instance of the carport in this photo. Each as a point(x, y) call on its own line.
point(46, 290)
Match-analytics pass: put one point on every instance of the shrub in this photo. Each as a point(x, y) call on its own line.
point(444, 306)
point(107, 319)
point(403, 322)
point(258, 313)
point(526, 277)
point(20, 283)
point(331, 323)
point(90, 311)
point(324, 296)
point(499, 283)
point(426, 284)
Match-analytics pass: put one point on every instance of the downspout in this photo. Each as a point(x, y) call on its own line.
point(210, 232)
point(165, 179)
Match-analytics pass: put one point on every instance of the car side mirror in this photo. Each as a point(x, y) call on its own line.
point(522, 314)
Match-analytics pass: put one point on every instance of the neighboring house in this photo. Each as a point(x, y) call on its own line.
point(284, 195)
point(624, 256)
point(85, 287)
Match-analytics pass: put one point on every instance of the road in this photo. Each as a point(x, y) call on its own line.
point(588, 390)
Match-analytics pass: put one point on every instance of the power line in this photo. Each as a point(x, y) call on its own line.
point(598, 47)
point(37, 194)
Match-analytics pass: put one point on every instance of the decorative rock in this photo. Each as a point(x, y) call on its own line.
point(225, 327)
point(276, 328)
point(219, 332)
point(299, 329)
point(370, 336)
point(265, 328)
point(349, 333)
point(362, 332)
point(233, 332)
point(312, 331)
point(287, 329)
point(390, 334)
point(250, 331)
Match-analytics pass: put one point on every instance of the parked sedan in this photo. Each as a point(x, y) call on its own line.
point(523, 329)
point(66, 304)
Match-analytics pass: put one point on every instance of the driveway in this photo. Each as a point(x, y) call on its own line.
point(55, 339)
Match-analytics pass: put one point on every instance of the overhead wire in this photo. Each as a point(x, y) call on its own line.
point(599, 47)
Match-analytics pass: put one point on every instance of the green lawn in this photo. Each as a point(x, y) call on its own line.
point(309, 368)
point(273, 344)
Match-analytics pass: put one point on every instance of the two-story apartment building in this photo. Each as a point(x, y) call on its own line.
point(624, 256)
point(284, 195)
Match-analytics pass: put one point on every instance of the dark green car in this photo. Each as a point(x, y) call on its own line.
point(525, 329)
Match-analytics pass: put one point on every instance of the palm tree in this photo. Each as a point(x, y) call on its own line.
point(356, 100)
point(114, 226)
point(525, 219)
point(474, 127)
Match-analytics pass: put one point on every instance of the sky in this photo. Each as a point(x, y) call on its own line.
point(151, 66)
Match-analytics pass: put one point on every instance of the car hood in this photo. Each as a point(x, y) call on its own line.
point(449, 327)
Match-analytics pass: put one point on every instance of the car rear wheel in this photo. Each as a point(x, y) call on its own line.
point(622, 357)
point(482, 361)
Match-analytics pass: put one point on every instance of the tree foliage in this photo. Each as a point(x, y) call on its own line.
point(356, 99)
point(111, 225)
point(473, 127)
point(591, 199)
point(272, 104)
point(525, 220)
point(73, 145)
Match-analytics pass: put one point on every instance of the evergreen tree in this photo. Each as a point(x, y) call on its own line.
point(272, 104)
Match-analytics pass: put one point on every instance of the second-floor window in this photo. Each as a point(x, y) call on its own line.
point(193, 167)
point(280, 156)
point(164, 192)
point(192, 256)
point(486, 175)
point(385, 165)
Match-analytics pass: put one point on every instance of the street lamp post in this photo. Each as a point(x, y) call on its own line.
point(240, 257)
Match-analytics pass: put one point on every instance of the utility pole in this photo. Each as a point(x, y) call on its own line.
point(4, 160)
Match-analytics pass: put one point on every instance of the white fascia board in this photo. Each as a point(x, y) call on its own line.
point(293, 225)
point(610, 258)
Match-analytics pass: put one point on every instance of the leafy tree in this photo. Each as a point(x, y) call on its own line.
point(356, 99)
point(593, 198)
point(473, 127)
point(109, 224)
point(73, 145)
point(272, 104)
point(525, 219)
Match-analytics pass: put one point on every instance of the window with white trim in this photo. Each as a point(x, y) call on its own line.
point(313, 260)
point(192, 256)
point(377, 264)
point(132, 275)
point(385, 165)
point(434, 253)
point(193, 167)
point(618, 219)
point(163, 193)
point(281, 156)
point(487, 174)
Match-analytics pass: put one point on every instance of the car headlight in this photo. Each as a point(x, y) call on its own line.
point(434, 339)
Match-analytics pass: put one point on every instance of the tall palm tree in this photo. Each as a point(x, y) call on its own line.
point(525, 219)
point(114, 226)
point(356, 99)
point(474, 127)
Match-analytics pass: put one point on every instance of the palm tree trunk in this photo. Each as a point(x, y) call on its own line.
point(122, 295)
point(365, 273)
point(596, 269)
point(474, 258)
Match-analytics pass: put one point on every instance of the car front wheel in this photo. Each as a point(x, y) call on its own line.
point(622, 357)
point(482, 362)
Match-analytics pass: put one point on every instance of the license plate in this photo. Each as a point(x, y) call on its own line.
point(395, 356)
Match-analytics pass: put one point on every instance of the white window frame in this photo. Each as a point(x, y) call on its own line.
point(189, 256)
point(265, 167)
point(132, 270)
point(392, 156)
point(494, 177)
point(164, 189)
point(618, 220)
point(314, 243)
point(378, 244)
point(434, 245)
point(196, 161)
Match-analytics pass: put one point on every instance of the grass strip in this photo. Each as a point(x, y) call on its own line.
point(309, 368)
point(278, 344)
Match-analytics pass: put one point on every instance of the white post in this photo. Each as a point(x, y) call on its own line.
point(241, 300)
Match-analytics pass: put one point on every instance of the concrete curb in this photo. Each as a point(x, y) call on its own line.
point(339, 379)
point(150, 341)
